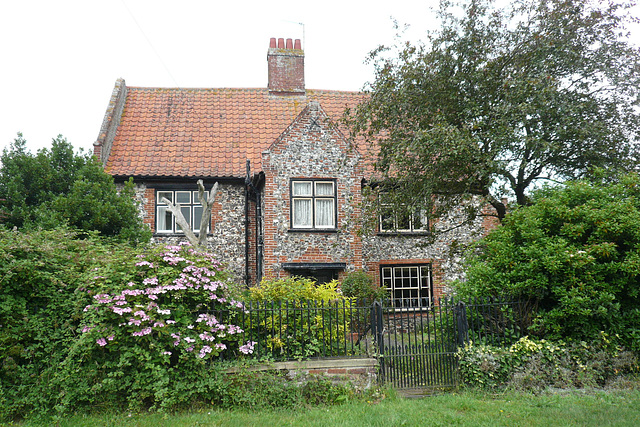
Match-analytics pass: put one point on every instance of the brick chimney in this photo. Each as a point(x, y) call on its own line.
point(286, 67)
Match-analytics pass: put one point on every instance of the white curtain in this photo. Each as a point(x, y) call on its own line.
point(324, 213)
point(165, 222)
point(324, 189)
point(302, 189)
point(302, 213)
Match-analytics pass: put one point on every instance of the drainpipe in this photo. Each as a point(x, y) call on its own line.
point(259, 236)
point(247, 183)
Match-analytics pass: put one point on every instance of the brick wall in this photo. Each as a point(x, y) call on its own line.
point(285, 67)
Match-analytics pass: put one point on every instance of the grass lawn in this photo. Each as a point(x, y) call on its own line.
point(579, 408)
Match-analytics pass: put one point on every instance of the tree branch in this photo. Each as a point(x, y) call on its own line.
point(207, 204)
point(206, 214)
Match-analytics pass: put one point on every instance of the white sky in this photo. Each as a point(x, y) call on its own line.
point(61, 58)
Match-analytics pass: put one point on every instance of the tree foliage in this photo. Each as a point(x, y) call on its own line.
point(574, 254)
point(57, 186)
point(499, 99)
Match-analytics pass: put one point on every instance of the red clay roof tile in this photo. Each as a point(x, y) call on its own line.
point(206, 132)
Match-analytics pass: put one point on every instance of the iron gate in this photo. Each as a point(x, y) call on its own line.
point(417, 347)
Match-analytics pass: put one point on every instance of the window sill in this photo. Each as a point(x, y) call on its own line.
point(313, 230)
point(403, 233)
point(176, 234)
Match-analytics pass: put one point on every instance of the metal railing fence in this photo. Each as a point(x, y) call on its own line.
point(291, 330)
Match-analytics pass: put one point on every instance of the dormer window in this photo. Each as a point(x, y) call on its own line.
point(313, 204)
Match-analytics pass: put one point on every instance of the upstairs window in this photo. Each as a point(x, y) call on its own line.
point(402, 220)
point(313, 204)
point(189, 206)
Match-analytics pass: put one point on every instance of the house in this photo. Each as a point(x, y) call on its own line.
point(290, 184)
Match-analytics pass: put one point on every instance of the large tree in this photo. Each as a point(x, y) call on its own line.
point(498, 99)
point(57, 186)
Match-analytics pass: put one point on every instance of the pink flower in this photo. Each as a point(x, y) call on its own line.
point(248, 347)
point(204, 350)
point(150, 281)
point(101, 342)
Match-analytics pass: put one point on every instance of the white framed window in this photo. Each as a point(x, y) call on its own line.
point(313, 204)
point(409, 286)
point(402, 220)
point(189, 206)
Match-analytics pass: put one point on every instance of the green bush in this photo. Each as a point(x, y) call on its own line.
point(57, 186)
point(42, 286)
point(573, 257)
point(538, 364)
point(292, 318)
point(361, 286)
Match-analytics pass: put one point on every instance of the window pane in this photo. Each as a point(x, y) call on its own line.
point(196, 199)
point(302, 188)
point(186, 213)
point(183, 197)
point(324, 188)
point(164, 220)
point(197, 217)
point(302, 213)
point(403, 220)
point(419, 220)
point(324, 213)
point(386, 278)
point(387, 218)
point(166, 194)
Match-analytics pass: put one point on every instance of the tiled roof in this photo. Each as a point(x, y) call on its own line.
point(206, 132)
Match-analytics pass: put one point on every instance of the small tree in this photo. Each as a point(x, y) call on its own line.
point(57, 186)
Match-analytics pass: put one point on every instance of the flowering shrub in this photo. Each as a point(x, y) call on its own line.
point(165, 304)
point(151, 322)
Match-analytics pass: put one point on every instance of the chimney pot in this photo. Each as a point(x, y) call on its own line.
point(297, 45)
point(280, 43)
point(272, 42)
point(289, 44)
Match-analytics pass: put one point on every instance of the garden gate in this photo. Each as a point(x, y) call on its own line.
point(417, 346)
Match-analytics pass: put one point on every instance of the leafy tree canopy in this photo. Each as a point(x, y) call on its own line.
point(57, 186)
point(574, 254)
point(498, 99)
